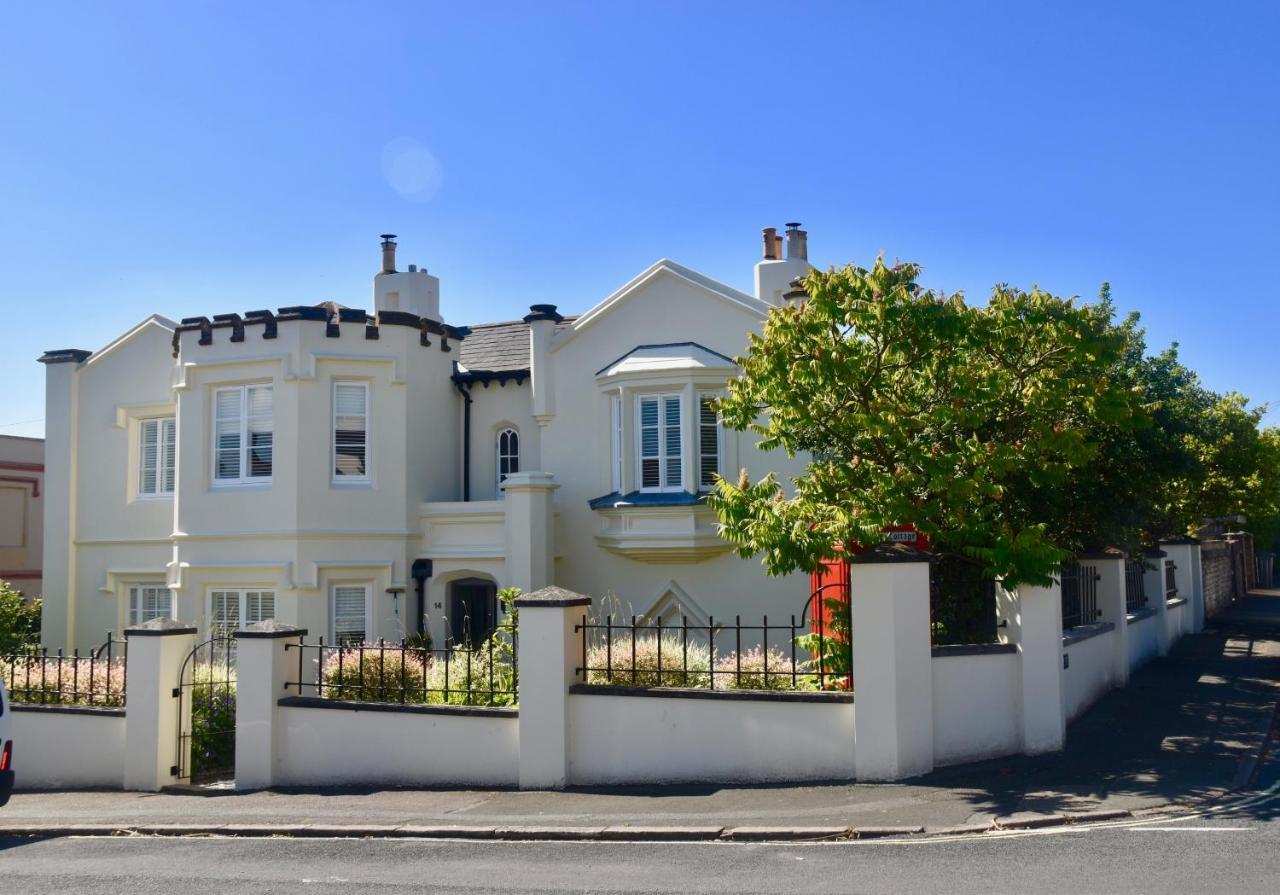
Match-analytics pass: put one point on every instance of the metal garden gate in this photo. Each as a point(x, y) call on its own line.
point(206, 694)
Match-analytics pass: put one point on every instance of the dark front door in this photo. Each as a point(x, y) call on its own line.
point(472, 610)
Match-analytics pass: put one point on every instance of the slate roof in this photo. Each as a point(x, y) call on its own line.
point(499, 347)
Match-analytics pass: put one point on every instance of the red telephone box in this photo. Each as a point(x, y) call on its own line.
point(831, 579)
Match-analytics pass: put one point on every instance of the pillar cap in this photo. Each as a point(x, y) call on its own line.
point(64, 356)
point(269, 628)
point(552, 597)
point(1104, 553)
point(890, 552)
point(1154, 552)
point(1180, 540)
point(159, 627)
point(530, 481)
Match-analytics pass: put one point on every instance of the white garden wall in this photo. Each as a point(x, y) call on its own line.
point(67, 748)
point(395, 746)
point(975, 704)
point(1144, 644)
point(712, 739)
point(1088, 672)
point(1178, 618)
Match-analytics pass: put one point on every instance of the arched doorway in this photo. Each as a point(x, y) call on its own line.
point(473, 610)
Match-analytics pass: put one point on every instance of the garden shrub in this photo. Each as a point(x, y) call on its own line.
point(614, 665)
point(34, 680)
point(730, 674)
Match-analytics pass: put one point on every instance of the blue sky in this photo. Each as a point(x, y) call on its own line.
point(199, 158)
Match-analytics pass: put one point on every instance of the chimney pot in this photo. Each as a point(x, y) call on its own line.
point(770, 243)
point(388, 253)
point(797, 242)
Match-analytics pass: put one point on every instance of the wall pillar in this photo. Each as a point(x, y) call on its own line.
point(892, 663)
point(61, 392)
point(1184, 553)
point(548, 663)
point(1153, 586)
point(157, 650)
point(1034, 616)
point(1113, 607)
point(264, 664)
point(530, 530)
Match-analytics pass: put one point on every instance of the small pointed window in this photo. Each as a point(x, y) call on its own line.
point(508, 454)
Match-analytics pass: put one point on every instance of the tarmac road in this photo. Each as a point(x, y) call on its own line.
point(1236, 852)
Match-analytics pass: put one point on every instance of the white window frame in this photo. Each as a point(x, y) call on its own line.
point(164, 426)
point(699, 397)
point(663, 456)
point(333, 608)
point(242, 595)
point(498, 455)
point(615, 442)
point(245, 449)
point(134, 610)
point(344, 478)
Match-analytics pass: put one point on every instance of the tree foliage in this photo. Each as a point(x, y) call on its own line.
point(19, 621)
point(916, 407)
point(1014, 434)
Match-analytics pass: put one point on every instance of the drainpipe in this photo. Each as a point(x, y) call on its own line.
point(420, 572)
point(466, 438)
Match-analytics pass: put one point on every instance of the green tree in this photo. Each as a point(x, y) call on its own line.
point(19, 621)
point(916, 407)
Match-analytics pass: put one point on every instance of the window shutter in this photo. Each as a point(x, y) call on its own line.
point(227, 433)
point(671, 443)
point(149, 457)
point(258, 407)
point(349, 624)
point(708, 441)
point(350, 430)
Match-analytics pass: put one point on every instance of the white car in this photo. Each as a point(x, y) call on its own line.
point(6, 748)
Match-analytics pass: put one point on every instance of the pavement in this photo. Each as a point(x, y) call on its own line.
point(1192, 730)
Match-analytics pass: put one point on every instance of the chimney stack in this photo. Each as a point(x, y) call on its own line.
point(797, 242)
point(774, 273)
point(388, 253)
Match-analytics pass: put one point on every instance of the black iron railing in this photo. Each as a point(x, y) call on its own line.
point(482, 675)
point(962, 602)
point(97, 677)
point(1079, 595)
point(1135, 573)
point(795, 654)
point(1170, 579)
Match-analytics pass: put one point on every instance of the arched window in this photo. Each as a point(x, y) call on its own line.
point(508, 454)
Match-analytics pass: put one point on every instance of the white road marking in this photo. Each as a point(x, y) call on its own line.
point(1191, 829)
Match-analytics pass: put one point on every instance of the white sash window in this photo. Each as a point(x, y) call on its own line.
point(230, 610)
point(242, 435)
point(148, 601)
point(350, 431)
point(156, 457)
point(508, 454)
point(350, 613)
point(659, 455)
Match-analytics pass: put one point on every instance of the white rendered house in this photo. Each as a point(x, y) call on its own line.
point(371, 474)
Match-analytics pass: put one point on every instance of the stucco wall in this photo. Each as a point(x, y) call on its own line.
point(331, 746)
point(1088, 675)
point(58, 749)
point(1144, 642)
point(494, 408)
point(660, 739)
point(975, 707)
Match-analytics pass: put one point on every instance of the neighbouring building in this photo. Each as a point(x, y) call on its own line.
point(373, 474)
point(21, 512)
